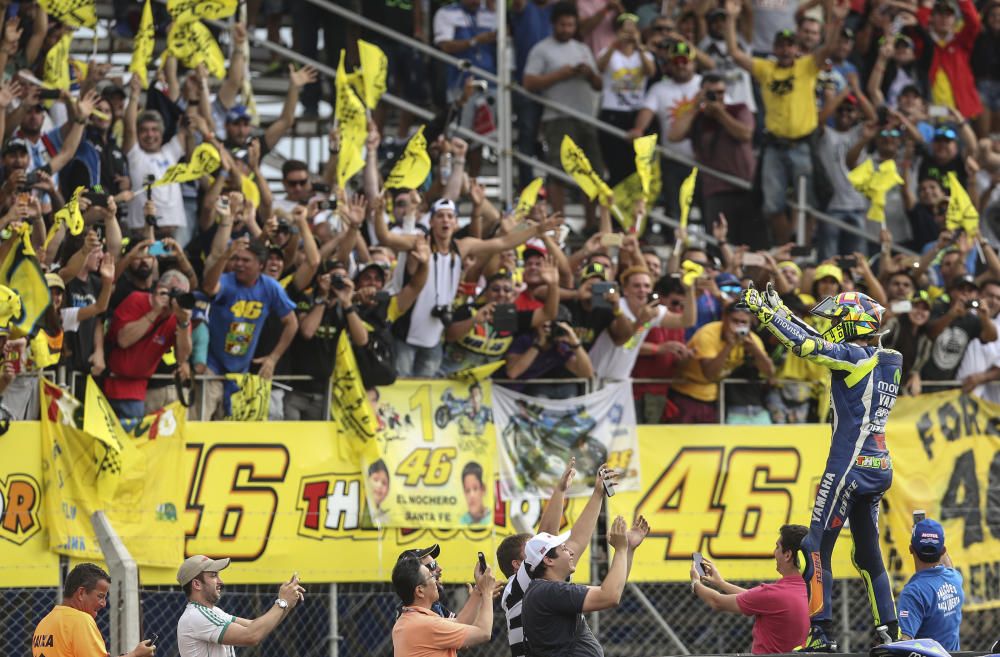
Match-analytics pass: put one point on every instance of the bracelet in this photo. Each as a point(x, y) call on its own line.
point(350, 309)
point(576, 346)
point(183, 325)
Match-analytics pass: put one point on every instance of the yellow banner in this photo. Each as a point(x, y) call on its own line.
point(24, 539)
point(413, 166)
point(75, 13)
point(351, 118)
point(56, 72)
point(725, 493)
point(575, 163)
point(142, 48)
point(437, 469)
point(252, 399)
point(374, 71)
point(131, 476)
point(212, 9)
point(204, 160)
point(962, 214)
point(686, 197)
point(21, 272)
point(192, 43)
point(946, 461)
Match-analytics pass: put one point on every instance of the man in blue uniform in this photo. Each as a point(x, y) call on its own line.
point(858, 469)
point(930, 606)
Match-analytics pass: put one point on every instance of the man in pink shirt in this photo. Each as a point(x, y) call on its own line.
point(780, 610)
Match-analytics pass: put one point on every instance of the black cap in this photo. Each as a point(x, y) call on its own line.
point(419, 553)
point(716, 14)
point(372, 265)
point(962, 281)
point(784, 35)
point(910, 88)
point(15, 144)
point(943, 7)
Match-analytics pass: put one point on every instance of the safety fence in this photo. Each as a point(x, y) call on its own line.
point(356, 619)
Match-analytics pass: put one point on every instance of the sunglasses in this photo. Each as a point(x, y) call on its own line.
point(506, 289)
point(432, 565)
point(297, 182)
point(663, 28)
point(889, 133)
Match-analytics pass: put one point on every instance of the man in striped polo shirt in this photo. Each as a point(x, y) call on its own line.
point(510, 553)
point(205, 630)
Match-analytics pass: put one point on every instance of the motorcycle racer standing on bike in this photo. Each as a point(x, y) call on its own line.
point(858, 469)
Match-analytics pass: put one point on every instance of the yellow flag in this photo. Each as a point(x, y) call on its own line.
point(349, 113)
point(874, 184)
point(204, 160)
point(251, 191)
point(645, 154)
point(528, 198)
point(686, 197)
point(576, 164)
point(142, 49)
point(962, 214)
point(192, 43)
point(70, 215)
point(350, 408)
point(691, 272)
point(629, 191)
point(56, 75)
point(374, 70)
point(413, 166)
point(252, 399)
point(10, 307)
point(21, 272)
point(212, 9)
point(75, 13)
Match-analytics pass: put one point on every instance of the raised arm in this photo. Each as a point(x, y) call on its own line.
point(237, 68)
point(296, 80)
point(743, 60)
point(131, 114)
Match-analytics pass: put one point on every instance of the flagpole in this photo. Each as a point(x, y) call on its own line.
point(505, 159)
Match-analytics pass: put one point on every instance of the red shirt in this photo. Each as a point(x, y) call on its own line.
point(131, 367)
point(658, 366)
point(527, 301)
point(781, 614)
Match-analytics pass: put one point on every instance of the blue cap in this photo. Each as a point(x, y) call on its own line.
point(928, 539)
point(944, 132)
point(237, 113)
point(726, 278)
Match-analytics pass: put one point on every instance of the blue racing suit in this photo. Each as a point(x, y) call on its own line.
point(858, 469)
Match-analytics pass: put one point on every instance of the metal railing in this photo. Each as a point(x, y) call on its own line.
point(505, 147)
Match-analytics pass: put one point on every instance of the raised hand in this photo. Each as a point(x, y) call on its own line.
point(303, 76)
point(617, 534)
point(638, 531)
point(566, 480)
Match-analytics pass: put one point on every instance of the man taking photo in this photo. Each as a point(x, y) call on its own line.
point(930, 606)
point(205, 630)
point(552, 609)
point(780, 610)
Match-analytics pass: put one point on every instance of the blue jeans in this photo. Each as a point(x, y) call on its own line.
point(128, 409)
point(989, 94)
point(831, 240)
point(781, 168)
point(421, 362)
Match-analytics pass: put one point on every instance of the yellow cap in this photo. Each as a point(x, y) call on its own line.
point(824, 271)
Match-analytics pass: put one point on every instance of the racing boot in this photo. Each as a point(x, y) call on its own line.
point(818, 639)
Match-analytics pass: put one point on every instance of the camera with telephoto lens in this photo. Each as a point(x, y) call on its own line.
point(337, 282)
point(184, 299)
point(711, 96)
point(972, 305)
point(284, 226)
point(443, 313)
point(741, 331)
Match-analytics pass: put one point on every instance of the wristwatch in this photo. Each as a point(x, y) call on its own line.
point(281, 603)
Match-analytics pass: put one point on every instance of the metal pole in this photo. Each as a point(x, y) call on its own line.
point(506, 165)
point(845, 617)
point(800, 229)
point(722, 402)
point(334, 618)
point(658, 618)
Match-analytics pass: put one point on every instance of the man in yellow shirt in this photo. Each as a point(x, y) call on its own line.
point(719, 348)
point(70, 629)
point(788, 89)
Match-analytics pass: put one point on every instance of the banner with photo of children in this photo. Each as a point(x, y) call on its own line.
point(536, 437)
point(434, 467)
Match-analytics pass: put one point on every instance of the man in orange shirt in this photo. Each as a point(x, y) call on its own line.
point(420, 632)
point(70, 629)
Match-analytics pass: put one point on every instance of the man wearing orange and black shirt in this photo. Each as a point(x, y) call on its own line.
point(70, 629)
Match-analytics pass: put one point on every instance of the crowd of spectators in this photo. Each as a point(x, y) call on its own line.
point(219, 276)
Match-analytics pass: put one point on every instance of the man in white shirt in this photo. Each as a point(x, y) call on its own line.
point(205, 630)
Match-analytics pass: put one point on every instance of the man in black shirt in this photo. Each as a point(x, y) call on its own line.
point(553, 608)
point(953, 329)
point(590, 320)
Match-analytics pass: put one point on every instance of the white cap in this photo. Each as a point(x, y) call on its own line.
point(443, 204)
point(540, 544)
